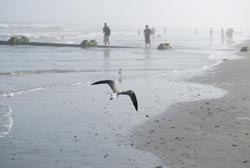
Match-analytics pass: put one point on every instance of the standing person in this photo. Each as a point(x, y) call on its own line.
point(106, 31)
point(147, 33)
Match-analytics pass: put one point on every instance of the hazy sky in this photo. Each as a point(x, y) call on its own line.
point(181, 13)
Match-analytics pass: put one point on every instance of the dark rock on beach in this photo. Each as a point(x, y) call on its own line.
point(244, 49)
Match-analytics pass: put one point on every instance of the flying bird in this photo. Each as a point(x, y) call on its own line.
point(117, 92)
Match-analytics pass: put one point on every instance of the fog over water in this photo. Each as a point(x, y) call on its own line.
point(173, 13)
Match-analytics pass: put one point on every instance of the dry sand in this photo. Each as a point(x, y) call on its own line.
point(208, 133)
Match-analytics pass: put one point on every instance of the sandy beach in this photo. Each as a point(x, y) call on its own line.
point(51, 115)
point(210, 133)
point(181, 97)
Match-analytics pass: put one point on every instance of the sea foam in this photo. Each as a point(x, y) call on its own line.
point(6, 121)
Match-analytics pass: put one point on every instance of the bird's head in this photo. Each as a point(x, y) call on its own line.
point(113, 96)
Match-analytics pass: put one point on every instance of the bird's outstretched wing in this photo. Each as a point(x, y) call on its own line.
point(132, 95)
point(111, 83)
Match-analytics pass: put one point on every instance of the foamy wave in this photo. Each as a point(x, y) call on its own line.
point(21, 92)
point(6, 121)
point(57, 35)
point(29, 35)
point(55, 71)
point(224, 56)
point(11, 94)
point(206, 67)
point(243, 118)
point(35, 72)
point(34, 25)
point(76, 84)
point(3, 25)
point(220, 57)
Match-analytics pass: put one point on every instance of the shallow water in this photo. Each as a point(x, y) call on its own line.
point(60, 120)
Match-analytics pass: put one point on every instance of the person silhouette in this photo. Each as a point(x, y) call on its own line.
point(147, 34)
point(106, 31)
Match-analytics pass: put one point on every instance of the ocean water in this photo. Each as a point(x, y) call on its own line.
point(27, 71)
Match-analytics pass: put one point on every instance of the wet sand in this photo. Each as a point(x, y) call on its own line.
point(210, 133)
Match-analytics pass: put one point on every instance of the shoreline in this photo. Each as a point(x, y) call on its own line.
point(65, 121)
point(208, 133)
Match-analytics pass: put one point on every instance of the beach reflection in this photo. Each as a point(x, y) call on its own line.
point(147, 58)
point(106, 59)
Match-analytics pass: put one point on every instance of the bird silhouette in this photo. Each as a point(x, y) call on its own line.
point(117, 92)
